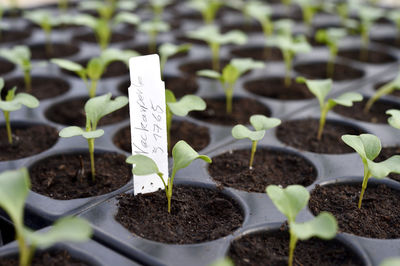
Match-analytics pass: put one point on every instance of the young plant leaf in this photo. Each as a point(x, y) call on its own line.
point(21, 56)
point(385, 89)
point(242, 132)
point(184, 155)
point(143, 165)
point(262, 13)
point(261, 122)
point(323, 226)
point(167, 50)
point(208, 8)
point(394, 120)
point(186, 104)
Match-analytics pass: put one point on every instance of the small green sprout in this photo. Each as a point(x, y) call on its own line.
point(394, 120)
point(102, 28)
point(96, 66)
point(207, 8)
point(368, 146)
point(230, 74)
point(309, 9)
point(385, 89)
point(290, 201)
point(106, 9)
point(182, 154)
point(167, 50)
point(14, 189)
point(368, 15)
point(14, 102)
point(63, 5)
point(153, 28)
point(321, 88)
point(331, 37)
point(262, 13)
point(158, 7)
point(260, 123)
point(181, 107)
point(212, 36)
point(21, 56)
point(95, 109)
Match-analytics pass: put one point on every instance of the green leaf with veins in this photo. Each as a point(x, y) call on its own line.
point(143, 165)
point(184, 155)
point(323, 226)
point(394, 120)
point(186, 104)
point(242, 132)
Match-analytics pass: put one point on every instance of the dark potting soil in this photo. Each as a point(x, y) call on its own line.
point(194, 66)
point(377, 113)
point(42, 87)
point(374, 57)
point(274, 87)
point(270, 166)
point(71, 112)
point(197, 215)
point(380, 84)
point(302, 134)
point(59, 50)
point(13, 36)
point(271, 248)
point(258, 53)
point(68, 176)
point(6, 67)
point(27, 140)
point(180, 86)
point(318, 70)
point(242, 109)
point(143, 49)
point(388, 41)
point(182, 38)
point(7, 232)
point(91, 38)
point(196, 136)
point(114, 69)
point(248, 27)
point(386, 153)
point(48, 258)
point(377, 218)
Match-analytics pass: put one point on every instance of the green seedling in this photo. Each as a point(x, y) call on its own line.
point(95, 109)
point(212, 36)
point(321, 88)
point(394, 120)
point(107, 9)
point(260, 123)
point(368, 15)
point(331, 37)
point(63, 5)
point(95, 68)
point(167, 50)
point(262, 13)
point(158, 7)
point(290, 201)
point(309, 9)
point(394, 15)
point(289, 46)
point(182, 154)
point(102, 28)
point(368, 146)
point(230, 74)
point(21, 56)
point(207, 8)
point(181, 107)
point(153, 28)
point(14, 189)
point(14, 102)
point(386, 89)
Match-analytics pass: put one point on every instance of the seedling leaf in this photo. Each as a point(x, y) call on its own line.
point(186, 104)
point(323, 226)
point(394, 120)
point(67, 64)
point(209, 74)
point(320, 88)
point(241, 132)
point(184, 155)
point(347, 99)
point(261, 122)
point(143, 165)
point(368, 146)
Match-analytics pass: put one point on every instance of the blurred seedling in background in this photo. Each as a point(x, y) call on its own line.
point(152, 29)
point(229, 76)
point(95, 108)
point(166, 50)
point(21, 56)
point(309, 8)
point(207, 8)
point(260, 123)
point(158, 7)
point(383, 90)
point(107, 9)
point(182, 155)
point(321, 88)
point(14, 102)
point(368, 146)
point(290, 201)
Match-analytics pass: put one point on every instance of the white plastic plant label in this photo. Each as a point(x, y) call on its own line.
point(148, 119)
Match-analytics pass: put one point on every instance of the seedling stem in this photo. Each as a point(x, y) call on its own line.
point(253, 152)
point(8, 126)
point(367, 175)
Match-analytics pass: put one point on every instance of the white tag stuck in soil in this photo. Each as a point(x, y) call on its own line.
point(148, 119)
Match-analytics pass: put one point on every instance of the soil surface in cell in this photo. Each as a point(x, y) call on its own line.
point(196, 136)
point(388, 41)
point(386, 153)
point(242, 109)
point(373, 57)
point(197, 215)
point(143, 49)
point(68, 176)
point(13, 36)
point(275, 88)
point(259, 53)
point(180, 86)
point(377, 218)
point(114, 69)
point(269, 167)
point(42, 87)
point(71, 113)
point(58, 50)
point(48, 258)
point(115, 37)
point(6, 67)
point(377, 113)
point(194, 66)
point(249, 27)
point(379, 85)
point(27, 140)
point(185, 39)
point(272, 248)
point(319, 71)
point(302, 134)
